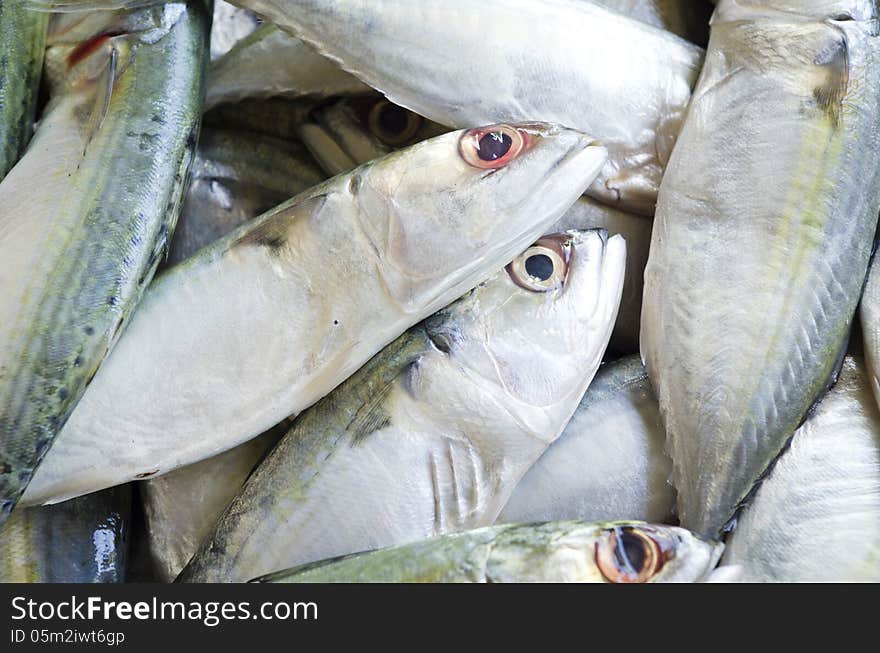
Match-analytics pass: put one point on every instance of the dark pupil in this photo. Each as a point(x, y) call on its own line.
point(539, 266)
point(630, 553)
point(494, 145)
point(393, 119)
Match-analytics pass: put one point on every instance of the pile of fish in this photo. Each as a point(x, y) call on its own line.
point(393, 291)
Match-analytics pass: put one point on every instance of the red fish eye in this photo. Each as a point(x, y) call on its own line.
point(492, 147)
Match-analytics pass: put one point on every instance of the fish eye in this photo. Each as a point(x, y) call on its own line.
point(629, 555)
point(543, 266)
point(392, 124)
point(492, 147)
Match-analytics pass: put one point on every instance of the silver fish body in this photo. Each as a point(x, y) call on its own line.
point(276, 117)
point(561, 552)
point(869, 320)
point(348, 132)
point(609, 461)
point(687, 18)
point(183, 506)
point(760, 247)
point(588, 213)
point(85, 215)
point(565, 61)
point(816, 517)
point(265, 322)
point(84, 540)
point(270, 62)
point(22, 43)
point(230, 25)
point(432, 435)
point(235, 177)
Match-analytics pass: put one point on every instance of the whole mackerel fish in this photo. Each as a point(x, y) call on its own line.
point(431, 435)
point(609, 461)
point(569, 62)
point(86, 214)
point(816, 517)
point(22, 44)
point(263, 323)
point(560, 552)
point(84, 540)
point(761, 242)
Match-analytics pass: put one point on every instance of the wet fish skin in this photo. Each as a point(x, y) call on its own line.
point(84, 540)
point(348, 132)
point(439, 67)
point(869, 320)
point(760, 246)
point(235, 177)
point(76, 259)
point(688, 19)
point(276, 117)
point(588, 213)
point(609, 460)
point(816, 517)
point(183, 506)
point(433, 433)
point(562, 552)
point(270, 62)
point(22, 42)
point(230, 24)
point(268, 320)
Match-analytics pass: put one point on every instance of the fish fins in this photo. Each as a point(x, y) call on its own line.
point(103, 95)
point(372, 416)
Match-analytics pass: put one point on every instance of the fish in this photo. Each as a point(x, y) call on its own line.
point(569, 62)
point(183, 506)
point(276, 117)
point(88, 211)
point(588, 213)
point(351, 131)
point(688, 19)
point(431, 435)
point(264, 322)
point(816, 516)
point(230, 25)
point(270, 62)
point(869, 321)
point(609, 461)
point(235, 177)
point(348, 132)
point(22, 43)
point(560, 552)
point(84, 540)
point(760, 247)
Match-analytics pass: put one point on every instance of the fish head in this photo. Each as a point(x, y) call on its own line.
point(90, 50)
point(730, 10)
point(351, 131)
point(538, 329)
point(635, 552)
point(476, 197)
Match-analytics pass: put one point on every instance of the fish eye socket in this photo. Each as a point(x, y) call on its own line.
point(543, 266)
point(392, 124)
point(492, 147)
point(629, 555)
